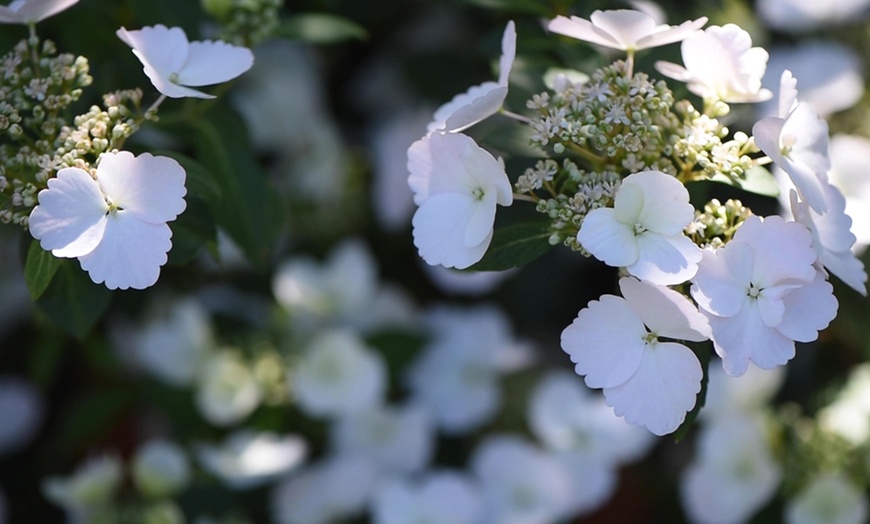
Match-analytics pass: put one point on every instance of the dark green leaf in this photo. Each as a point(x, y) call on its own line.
point(191, 231)
point(515, 245)
point(532, 7)
point(703, 352)
point(200, 182)
point(72, 301)
point(39, 269)
point(757, 180)
point(319, 28)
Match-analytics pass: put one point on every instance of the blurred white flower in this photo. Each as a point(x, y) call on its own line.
point(806, 15)
point(338, 375)
point(734, 472)
point(747, 393)
point(850, 156)
point(439, 497)
point(623, 29)
point(160, 468)
point(521, 483)
point(481, 101)
point(325, 493)
point(248, 459)
point(849, 414)
point(90, 487)
point(397, 439)
point(21, 410)
point(226, 389)
point(831, 498)
point(32, 11)
point(171, 62)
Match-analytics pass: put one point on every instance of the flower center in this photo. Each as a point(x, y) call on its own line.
point(639, 229)
point(478, 193)
point(788, 141)
point(173, 77)
point(753, 290)
point(113, 207)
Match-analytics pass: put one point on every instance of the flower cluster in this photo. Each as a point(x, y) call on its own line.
point(620, 152)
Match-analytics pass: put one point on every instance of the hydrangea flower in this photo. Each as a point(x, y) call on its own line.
point(623, 29)
point(830, 497)
point(248, 459)
point(721, 64)
point(90, 487)
point(762, 293)
point(438, 497)
point(160, 468)
point(114, 222)
point(797, 141)
point(457, 186)
point(481, 101)
point(850, 154)
point(171, 62)
point(643, 231)
point(614, 342)
point(227, 390)
point(32, 11)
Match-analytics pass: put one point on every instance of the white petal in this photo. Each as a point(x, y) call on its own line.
point(481, 221)
point(440, 227)
point(70, 218)
point(130, 254)
point(723, 278)
point(848, 268)
point(662, 391)
point(667, 35)
point(605, 341)
point(808, 161)
point(787, 94)
point(214, 62)
point(783, 250)
point(608, 239)
point(744, 337)
point(582, 29)
point(162, 49)
point(32, 11)
point(508, 53)
point(626, 26)
point(665, 207)
point(665, 260)
point(466, 109)
point(151, 188)
point(664, 311)
point(628, 202)
point(808, 310)
point(672, 70)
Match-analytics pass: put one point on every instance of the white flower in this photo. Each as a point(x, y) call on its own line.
point(115, 223)
point(248, 459)
point(398, 439)
point(437, 497)
point(21, 410)
point(160, 468)
point(721, 64)
point(32, 11)
point(849, 415)
point(91, 486)
point(850, 154)
point(227, 390)
point(643, 231)
point(807, 15)
point(521, 483)
point(762, 293)
point(171, 62)
point(615, 343)
point(338, 375)
point(481, 101)
point(734, 473)
point(457, 185)
point(748, 393)
point(797, 141)
point(623, 29)
point(832, 238)
point(831, 498)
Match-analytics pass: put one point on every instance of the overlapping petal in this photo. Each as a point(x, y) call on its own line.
point(32, 11)
point(623, 29)
point(151, 188)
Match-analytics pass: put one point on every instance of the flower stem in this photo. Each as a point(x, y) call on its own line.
point(515, 116)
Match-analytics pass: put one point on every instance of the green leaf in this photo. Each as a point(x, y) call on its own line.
point(318, 28)
point(199, 181)
point(515, 245)
point(191, 231)
point(72, 301)
point(39, 269)
point(757, 180)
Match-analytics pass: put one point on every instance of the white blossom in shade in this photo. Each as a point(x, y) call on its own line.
point(480, 101)
point(172, 344)
point(248, 459)
point(90, 487)
point(830, 75)
point(721, 64)
point(831, 498)
point(21, 410)
point(806, 15)
point(324, 493)
point(748, 393)
point(338, 375)
point(457, 185)
point(457, 376)
point(850, 156)
point(797, 141)
point(115, 221)
point(762, 293)
point(832, 237)
point(849, 414)
point(643, 231)
point(734, 473)
point(160, 468)
point(227, 390)
point(174, 65)
point(32, 11)
point(614, 342)
point(398, 439)
point(439, 496)
point(521, 483)
point(623, 29)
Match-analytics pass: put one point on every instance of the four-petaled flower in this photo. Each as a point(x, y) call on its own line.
point(171, 62)
point(114, 222)
point(480, 101)
point(32, 11)
point(623, 29)
point(457, 185)
point(643, 231)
